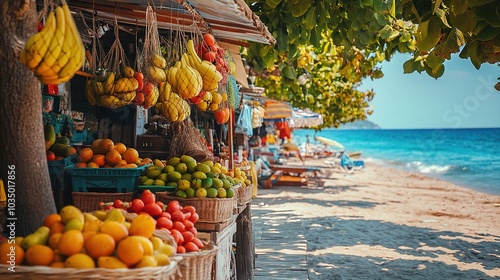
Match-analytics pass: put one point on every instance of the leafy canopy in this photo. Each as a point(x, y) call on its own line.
point(340, 43)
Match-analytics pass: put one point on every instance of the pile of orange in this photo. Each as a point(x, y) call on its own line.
point(107, 154)
point(108, 244)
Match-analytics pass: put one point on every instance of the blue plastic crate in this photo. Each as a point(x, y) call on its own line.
point(79, 136)
point(107, 180)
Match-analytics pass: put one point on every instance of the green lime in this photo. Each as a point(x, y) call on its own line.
point(207, 183)
point(190, 192)
point(225, 184)
point(212, 192)
point(181, 194)
point(229, 193)
point(174, 176)
point(173, 161)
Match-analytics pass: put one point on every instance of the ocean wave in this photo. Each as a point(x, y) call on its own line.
point(430, 168)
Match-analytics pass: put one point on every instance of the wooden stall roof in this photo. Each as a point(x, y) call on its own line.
point(228, 20)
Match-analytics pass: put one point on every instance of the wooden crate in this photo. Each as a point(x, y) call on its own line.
point(221, 268)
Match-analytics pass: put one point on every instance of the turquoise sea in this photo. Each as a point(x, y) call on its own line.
point(467, 157)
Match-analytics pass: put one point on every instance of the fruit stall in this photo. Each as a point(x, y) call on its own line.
point(139, 131)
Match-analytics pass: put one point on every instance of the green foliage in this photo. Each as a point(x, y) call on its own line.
point(341, 42)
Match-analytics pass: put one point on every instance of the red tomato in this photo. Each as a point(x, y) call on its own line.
point(209, 56)
point(51, 156)
point(181, 249)
point(187, 215)
point(191, 247)
point(209, 39)
point(196, 100)
point(178, 238)
point(153, 209)
point(117, 203)
point(194, 218)
point(140, 80)
point(164, 222)
point(173, 205)
point(161, 205)
point(193, 230)
point(177, 215)
point(166, 215)
point(198, 242)
point(148, 197)
point(148, 88)
point(187, 235)
point(188, 224)
point(109, 207)
point(179, 226)
point(136, 205)
point(189, 208)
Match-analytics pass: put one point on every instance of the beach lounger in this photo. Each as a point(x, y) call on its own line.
point(291, 176)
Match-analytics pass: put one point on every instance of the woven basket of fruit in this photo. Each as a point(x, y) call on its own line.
point(197, 265)
point(243, 194)
point(89, 201)
point(99, 245)
point(211, 210)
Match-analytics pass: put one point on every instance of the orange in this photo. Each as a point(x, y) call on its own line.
point(57, 265)
point(130, 251)
point(56, 227)
point(85, 155)
point(71, 242)
point(113, 157)
point(121, 163)
point(81, 165)
point(99, 159)
point(58, 257)
point(50, 219)
point(131, 155)
point(39, 255)
point(115, 229)
point(143, 225)
point(121, 148)
point(70, 151)
point(92, 164)
point(87, 235)
point(102, 146)
point(100, 245)
point(79, 261)
point(54, 240)
point(5, 251)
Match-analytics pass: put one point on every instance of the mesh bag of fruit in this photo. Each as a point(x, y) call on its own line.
point(187, 140)
point(153, 63)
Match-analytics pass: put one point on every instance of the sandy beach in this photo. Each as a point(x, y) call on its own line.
point(379, 223)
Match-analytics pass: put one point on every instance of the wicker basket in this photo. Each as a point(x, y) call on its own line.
point(243, 194)
point(197, 265)
point(211, 210)
point(89, 201)
point(148, 273)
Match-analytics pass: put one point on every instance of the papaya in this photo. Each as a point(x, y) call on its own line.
point(102, 146)
point(63, 140)
point(40, 236)
point(59, 149)
point(50, 135)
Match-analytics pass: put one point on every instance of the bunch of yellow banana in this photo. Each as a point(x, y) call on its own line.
point(184, 79)
point(207, 70)
point(156, 70)
point(56, 52)
point(175, 109)
point(165, 91)
point(110, 91)
point(152, 98)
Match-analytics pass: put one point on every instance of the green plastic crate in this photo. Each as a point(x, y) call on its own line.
point(105, 180)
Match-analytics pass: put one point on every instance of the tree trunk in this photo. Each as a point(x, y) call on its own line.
point(23, 162)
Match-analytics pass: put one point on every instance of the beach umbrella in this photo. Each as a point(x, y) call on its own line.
point(305, 118)
point(329, 142)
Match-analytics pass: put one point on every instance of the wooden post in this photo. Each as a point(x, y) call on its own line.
point(244, 245)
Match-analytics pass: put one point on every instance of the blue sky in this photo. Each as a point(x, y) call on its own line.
point(463, 97)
